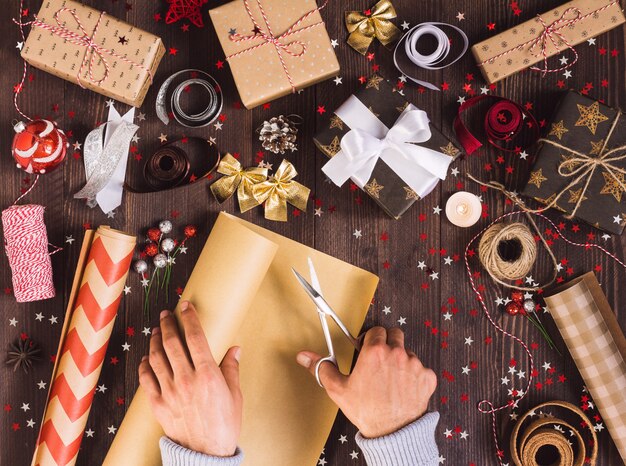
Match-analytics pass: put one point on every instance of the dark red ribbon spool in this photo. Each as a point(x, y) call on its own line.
point(504, 121)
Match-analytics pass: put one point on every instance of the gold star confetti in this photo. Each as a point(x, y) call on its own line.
point(590, 116)
point(374, 189)
point(410, 194)
point(596, 147)
point(558, 130)
point(374, 82)
point(537, 178)
point(336, 122)
point(333, 147)
point(163, 138)
point(574, 196)
point(612, 185)
point(450, 150)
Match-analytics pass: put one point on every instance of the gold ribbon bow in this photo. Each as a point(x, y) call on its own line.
point(363, 27)
point(279, 190)
point(237, 179)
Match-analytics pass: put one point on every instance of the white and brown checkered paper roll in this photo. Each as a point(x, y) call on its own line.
point(597, 345)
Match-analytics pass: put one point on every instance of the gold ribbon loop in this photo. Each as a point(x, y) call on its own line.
point(237, 179)
point(363, 28)
point(279, 190)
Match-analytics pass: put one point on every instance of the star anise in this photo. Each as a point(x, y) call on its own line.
point(23, 353)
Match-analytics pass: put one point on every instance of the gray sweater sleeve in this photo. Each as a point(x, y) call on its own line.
point(173, 454)
point(413, 445)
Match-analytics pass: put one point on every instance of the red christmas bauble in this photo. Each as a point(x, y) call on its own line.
point(190, 231)
point(514, 308)
point(39, 146)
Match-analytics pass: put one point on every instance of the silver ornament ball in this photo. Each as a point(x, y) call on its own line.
point(141, 266)
point(165, 226)
point(168, 245)
point(160, 261)
point(529, 305)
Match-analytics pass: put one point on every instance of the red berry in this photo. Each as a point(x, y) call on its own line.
point(514, 308)
point(190, 231)
point(151, 249)
point(154, 234)
point(517, 296)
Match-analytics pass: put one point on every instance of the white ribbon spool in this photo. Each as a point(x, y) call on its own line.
point(433, 61)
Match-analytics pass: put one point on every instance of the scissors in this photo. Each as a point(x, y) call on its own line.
point(324, 310)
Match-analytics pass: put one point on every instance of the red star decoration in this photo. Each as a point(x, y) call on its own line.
point(173, 51)
point(491, 26)
point(321, 109)
point(114, 360)
point(219, 64)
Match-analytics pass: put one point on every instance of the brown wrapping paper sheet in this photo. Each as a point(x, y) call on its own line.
point(259, 74)
point(246, 294)
point(597, 345)
point(511, 63)
point(126, 82)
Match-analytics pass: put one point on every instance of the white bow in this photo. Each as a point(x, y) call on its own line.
point(419, 167)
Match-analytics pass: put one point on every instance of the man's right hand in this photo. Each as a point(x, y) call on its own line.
point(388, 389)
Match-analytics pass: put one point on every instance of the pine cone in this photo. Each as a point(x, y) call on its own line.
point(278, 135)
point(22, 354)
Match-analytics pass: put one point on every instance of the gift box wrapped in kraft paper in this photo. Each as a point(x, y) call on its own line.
point(580, 166)
point(544, 36)
point(100, 278)
point(597, 344)
point(94, 50)
point(247, 295)
point(386, 146)
point(274, 47)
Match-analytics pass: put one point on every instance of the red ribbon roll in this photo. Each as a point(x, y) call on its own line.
point(504, 121)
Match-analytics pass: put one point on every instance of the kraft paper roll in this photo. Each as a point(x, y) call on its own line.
point(96, 292)
point(597, 345)
point(540, 438)
point(246, 294)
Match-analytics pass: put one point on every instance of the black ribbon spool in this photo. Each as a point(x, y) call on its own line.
point(175, 165)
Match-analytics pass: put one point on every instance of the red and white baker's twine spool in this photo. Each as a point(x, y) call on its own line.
point(548, 34)
point(93, 50)
point(269, 37)
point(490, 408)
point(26, 245)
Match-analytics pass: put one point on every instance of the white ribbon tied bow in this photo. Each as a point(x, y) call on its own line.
point(419, 167)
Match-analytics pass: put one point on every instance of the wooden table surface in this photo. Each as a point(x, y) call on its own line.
point(437, 314)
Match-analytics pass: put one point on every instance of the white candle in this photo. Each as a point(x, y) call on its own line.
point(463, 209)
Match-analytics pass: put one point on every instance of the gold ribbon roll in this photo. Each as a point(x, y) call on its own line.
point(363, 28)
point(237, 179)
point(279, 190)
point(541, 443)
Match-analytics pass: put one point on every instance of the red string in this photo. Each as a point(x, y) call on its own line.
point(185, 9)
point(486, 406)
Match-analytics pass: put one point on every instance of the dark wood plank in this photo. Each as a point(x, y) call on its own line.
point(438, 319)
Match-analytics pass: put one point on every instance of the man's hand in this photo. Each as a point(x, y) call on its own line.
point(197, 402)
point(388, 389)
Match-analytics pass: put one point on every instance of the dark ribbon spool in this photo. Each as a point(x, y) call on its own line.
point(504, 121)
point(176, 164)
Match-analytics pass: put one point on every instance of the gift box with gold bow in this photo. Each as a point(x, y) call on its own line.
point(274, 47)
point(98, 52)
point(544, 36)
point(580, 167)
point(386, 146)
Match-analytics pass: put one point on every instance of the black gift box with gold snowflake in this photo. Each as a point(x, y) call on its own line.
point(580, 166)
point(380, 100)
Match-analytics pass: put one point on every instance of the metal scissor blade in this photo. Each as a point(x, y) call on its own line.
point(315, 284)
point(323, 306)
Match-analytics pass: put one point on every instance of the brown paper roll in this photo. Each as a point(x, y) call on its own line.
point(540, 444)
point(246, 295)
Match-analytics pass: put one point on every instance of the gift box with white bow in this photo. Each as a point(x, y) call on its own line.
point(386, 146)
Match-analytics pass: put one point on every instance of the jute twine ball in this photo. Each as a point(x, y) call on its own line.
point(508, 251)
